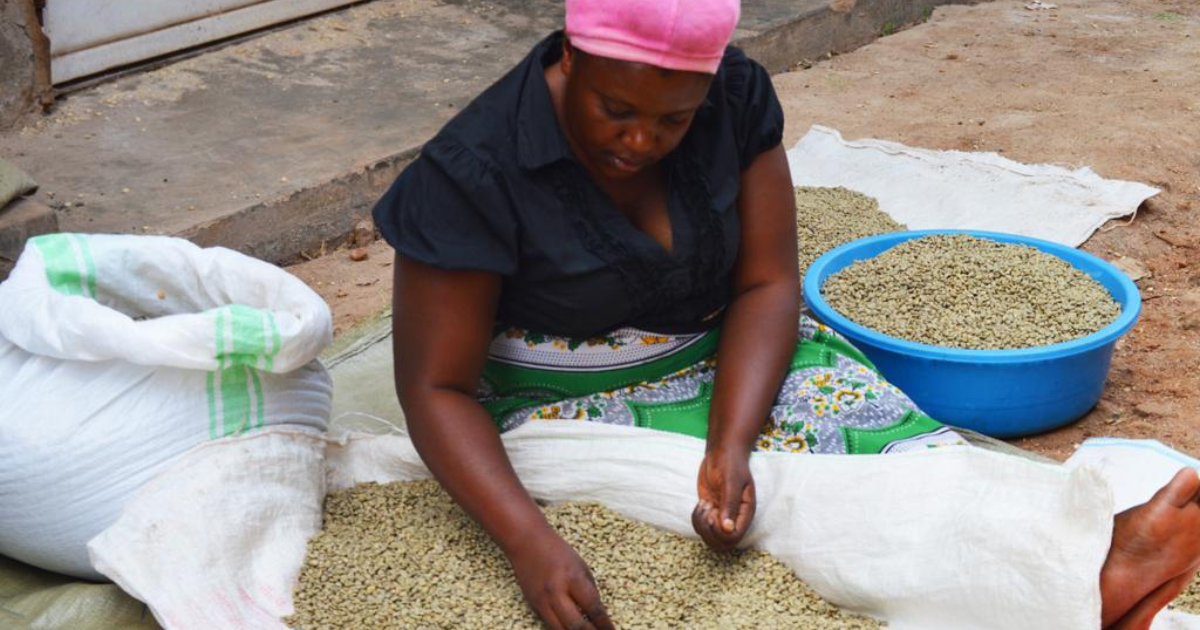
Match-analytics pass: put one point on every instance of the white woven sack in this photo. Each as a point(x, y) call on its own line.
point(120, 353)
point(948, 538)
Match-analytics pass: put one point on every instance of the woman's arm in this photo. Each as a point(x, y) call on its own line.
point(442, 328)
point(757, 340)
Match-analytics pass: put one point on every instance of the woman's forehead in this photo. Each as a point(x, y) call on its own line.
point(643, 85)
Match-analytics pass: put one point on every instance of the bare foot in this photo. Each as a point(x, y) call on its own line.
point(1142, 615)
point(1155, 552)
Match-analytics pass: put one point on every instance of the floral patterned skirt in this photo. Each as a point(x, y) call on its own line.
point(832, 401)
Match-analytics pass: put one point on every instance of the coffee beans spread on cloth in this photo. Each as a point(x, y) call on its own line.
point(966, 292)
point(1189, 600)
point(404, 556)
point(828, 217)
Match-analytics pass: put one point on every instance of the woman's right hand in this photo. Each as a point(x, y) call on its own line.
point(557, 584)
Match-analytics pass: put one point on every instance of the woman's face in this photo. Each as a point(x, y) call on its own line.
point(622, 116)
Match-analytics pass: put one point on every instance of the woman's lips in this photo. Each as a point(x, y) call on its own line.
point(624, 165)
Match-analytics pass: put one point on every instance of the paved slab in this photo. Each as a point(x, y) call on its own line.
point(276, 145)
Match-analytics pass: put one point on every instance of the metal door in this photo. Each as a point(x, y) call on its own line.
point(90, 36)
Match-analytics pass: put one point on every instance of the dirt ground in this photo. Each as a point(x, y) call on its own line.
point(1109, 84)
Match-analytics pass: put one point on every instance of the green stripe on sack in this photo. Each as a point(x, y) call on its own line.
point(85, 250)
point(275, 341)
point(245, 340)
point(235, 400)
point(70, 267)
point(212, 406)
point(254, 338)
point(219, 339)
point(258, 397)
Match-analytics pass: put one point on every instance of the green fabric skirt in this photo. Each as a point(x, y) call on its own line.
point(833, 400)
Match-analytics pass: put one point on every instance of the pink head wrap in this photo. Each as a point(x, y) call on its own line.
point(675, 34)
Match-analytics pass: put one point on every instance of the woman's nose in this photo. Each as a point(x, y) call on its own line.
point(639, 138)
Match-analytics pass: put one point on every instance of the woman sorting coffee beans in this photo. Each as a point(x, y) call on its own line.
point(588, 236)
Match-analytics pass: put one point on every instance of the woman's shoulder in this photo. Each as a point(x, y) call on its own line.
point(745, 97)
point(735, 58)
point(484, 132)
point(738, 72)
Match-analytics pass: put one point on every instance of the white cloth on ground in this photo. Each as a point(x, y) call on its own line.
point(927, 189)
point(947, 538)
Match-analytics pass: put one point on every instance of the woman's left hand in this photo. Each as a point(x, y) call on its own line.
point(726, 506)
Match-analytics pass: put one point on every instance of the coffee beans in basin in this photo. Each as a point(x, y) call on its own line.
point(966, 292)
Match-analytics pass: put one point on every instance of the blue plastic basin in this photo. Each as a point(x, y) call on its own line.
point(1003, 393)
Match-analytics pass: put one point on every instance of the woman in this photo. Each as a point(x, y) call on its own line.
point(585, 238)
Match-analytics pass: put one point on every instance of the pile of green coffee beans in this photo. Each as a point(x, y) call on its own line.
point(828, 217)
point(965, 292)
point(404, 556)
point(1189, 600)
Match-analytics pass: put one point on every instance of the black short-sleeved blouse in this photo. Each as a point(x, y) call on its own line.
point(498, 189)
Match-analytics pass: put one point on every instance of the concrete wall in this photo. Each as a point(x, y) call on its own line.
point(837, 26)
point(24, 62)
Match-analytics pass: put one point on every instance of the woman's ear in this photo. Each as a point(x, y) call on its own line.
point(568, 57)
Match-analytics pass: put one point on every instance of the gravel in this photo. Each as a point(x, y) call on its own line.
point(403, 555)
point(966, 292)
point(828, 217)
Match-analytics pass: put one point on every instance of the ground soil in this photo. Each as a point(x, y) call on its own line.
point(355, 290)
point(1109, 84)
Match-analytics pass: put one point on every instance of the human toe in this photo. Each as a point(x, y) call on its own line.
point(1184, 488)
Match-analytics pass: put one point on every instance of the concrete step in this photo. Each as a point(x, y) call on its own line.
point(276, 145)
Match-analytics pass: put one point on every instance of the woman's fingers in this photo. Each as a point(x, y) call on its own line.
point(577, 605)
point(703, 521)
point(717, 538)
point(587, 599)
point(736, 516)
point(731, 503)
point(746, 511)
point(727, 502)
point(728, 539)
point(558, 585)
point(545, 610)
point(569, 616)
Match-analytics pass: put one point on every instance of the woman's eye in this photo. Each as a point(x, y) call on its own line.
point(618, 114)
point(675, 121)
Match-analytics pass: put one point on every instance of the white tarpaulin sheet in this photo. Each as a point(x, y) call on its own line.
point(929, 190)
point(1135, 469)
point(947, 538)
